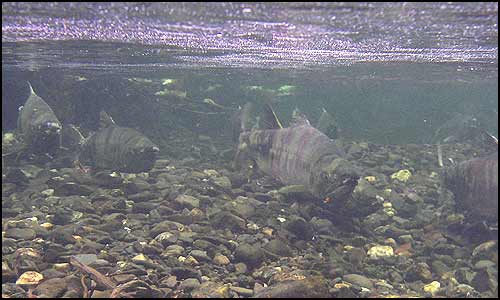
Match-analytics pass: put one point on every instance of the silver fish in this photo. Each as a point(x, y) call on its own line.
point(38, 125)
point(118, 148)
point(299, 155)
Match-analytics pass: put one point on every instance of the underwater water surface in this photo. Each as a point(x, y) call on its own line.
point(397, 80)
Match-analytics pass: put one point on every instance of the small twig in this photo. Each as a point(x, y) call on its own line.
point(85, 289)
point(96, 275)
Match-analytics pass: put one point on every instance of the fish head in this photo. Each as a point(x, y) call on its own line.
point(149, 152)
point(337, 180)
point(141, 159)
point(47, 137)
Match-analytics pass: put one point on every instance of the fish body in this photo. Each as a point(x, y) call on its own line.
point(39, 126)
point(300, 155)
point(464, 129)
point(118, 148)
point(475, 185)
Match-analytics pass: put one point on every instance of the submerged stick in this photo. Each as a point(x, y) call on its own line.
point(96, 275)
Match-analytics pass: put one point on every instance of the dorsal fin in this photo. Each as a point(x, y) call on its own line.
point(269, 120)
point(105, 120)
point(298, 118)
point(32, 92)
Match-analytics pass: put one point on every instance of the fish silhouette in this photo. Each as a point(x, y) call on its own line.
point(118, 148)
point(298, 155)
point(38, 125)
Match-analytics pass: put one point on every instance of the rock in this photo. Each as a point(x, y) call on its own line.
point(165, 226)
point(312, 287)
point(484, 280)
point(439, 268)
point(86, 259)
point(251, 255)
point(300, 227)
point(378, 252)
point(29, 278)
point(278, 247)
point(143, 207)
point(223, 182)
point(364, 199)
point(8, 275)
point(210, 289)
point(189, 284)
point(484, 264)
point(262, 197)
point(486, 250)
point(167, 238)
point(56, 287)
point(240, 268)
point(185, 272)
point(420, 271)
point(136, 186)
point(432, 287)
point(295, 192)
point(242, 291)
point(140, 197)
point(403, 206)
point(224, 219)
point(21, 233)
point(401, 175)
point(356, 256)
point(464, 291)
point(464, 275)
point(359, 280)
point(221, 260)
point(187, 201)
point(200, 255)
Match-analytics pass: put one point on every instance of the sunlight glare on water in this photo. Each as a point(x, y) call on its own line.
point(248, 35)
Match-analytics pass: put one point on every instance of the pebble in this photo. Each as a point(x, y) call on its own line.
point(21, 233)
point(200, 255)
point(221, 260)
point(29, 278)
point(379, 251)
point(189, 284)
point(359, 280)
point(242, 291)
point(187, 201)
point(432, 287)
point(251, 255)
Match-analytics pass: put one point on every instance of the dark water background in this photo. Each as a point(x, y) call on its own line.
point(389, 72)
